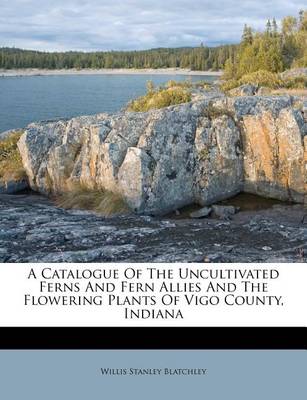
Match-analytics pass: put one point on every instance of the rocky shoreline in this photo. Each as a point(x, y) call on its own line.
point(201, 153)
point(105, 71)
point(32, 229)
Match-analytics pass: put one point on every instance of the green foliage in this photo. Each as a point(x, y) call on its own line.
point(201, 85)
point(298, 82)
point(11, 168)
point(200, 58)
point(102, 202)
point(170, 95)
point(150, 87)
point(184, 84)
point(229, 85)
point(262, 78)
point(272, 51)
point(204, 154)
point(267, 79)
point(213, 112)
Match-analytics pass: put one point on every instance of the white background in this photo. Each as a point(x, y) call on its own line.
point(292, 285)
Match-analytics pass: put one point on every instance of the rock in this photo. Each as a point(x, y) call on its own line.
point(6, 134)
point(274, 155)
point(294, 73)
point(32, 229)
point(224, 212)
point(263, 91)
point(201, 152)
point(13, 186)
point(266, 248)
point(106, 252)
point(3, 254)
point(244, 90)
point(203, 212)
point(213, 258)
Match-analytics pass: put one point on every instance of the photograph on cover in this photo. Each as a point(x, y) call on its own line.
point(142, 131)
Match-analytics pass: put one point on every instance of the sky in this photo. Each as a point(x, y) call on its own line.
point(89, 25)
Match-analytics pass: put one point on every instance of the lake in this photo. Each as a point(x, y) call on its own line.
point(36, 98)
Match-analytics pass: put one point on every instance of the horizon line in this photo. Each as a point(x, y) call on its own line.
point(121, 51)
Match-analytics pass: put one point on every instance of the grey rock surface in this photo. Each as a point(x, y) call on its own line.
point(223, 212)
point(33, 230)
point(4, 135)
point(202, 213)
point(199, 152)
point(294, 73)
point(12, 187)
point(245, 90)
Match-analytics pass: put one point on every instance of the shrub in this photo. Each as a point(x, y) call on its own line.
point(228, 85)
point(150, 86)
point(160, 98)
point(102, 202)
point(262, 78)
point(202, 84)
point(298, 82)
point(187, 84)
point(213, 112)
point(171, 84)
point(11, 168)
point(258, 78)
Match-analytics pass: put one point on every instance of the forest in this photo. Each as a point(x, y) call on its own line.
point(200, 58)
point(274, 50)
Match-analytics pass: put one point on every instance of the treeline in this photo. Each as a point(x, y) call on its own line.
point(274, 50)
point(201, 58)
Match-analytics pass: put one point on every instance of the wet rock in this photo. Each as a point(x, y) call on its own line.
point(33, 230)
point(3, 254)
point(202, 213)
point(11, 187)
point(266, 248)
point(107, 252)
point(224, 212)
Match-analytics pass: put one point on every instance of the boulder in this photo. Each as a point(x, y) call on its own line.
point(274, 155)
point(159, 161)
point(224, 212)
point(202, 213)
point(294, 73)
point(244, 90)
point(6, 134)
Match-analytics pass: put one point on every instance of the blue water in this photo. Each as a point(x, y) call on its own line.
point(35, 98)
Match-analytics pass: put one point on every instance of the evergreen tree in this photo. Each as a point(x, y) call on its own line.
point(269, 27)
point(199, 58)
point(274, 27)
point(272, 51)
point(247, 36)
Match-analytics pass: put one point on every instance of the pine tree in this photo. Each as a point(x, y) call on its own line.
point(247, 36)
point(269, 27)
point(274, 27)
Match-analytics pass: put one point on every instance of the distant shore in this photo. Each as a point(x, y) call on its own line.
point(121, 71)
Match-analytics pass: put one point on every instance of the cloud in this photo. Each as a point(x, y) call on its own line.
point(132, 24)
